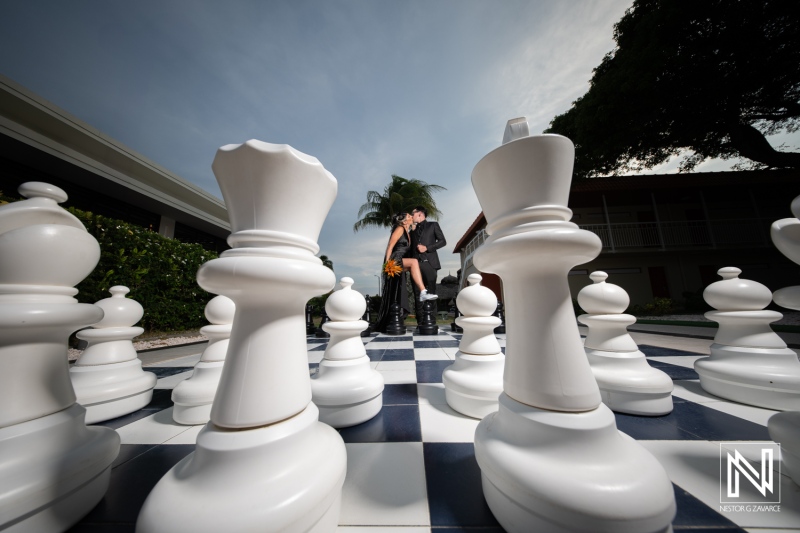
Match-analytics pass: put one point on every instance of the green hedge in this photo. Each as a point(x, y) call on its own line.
point(160, 272)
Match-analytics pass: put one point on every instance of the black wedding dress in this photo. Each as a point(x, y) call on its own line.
point(394, 287)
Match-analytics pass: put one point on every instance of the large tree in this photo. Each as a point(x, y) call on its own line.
point(400, 195)
point(702, 79)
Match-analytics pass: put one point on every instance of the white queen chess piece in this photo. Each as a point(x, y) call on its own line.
point(551, 457)
point(749, 362)
point(108, 377)
point(251, 469)
point(473, 383)
point(784, 428)
point(347, 390)
point(53, 469)
point(193, 397)
point(628, 384)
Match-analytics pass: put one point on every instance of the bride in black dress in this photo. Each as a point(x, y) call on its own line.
point(394, 287)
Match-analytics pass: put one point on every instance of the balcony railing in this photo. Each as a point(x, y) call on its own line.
point(683, 234)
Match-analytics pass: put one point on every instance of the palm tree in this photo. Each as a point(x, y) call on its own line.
point(326, 261)
point(400, 195)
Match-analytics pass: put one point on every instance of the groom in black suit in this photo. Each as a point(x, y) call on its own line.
point(426, 238)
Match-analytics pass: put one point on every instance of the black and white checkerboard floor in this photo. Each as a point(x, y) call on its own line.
point(412, 468)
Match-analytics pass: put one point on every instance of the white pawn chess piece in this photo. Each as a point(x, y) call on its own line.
point(473, 383)
point(347, 390)
point(53, 469)
point(193, 397)
point(628, 384)
point(551, 457)
point(784, 428)
point(749, 362)
point(252, 469)
point(108, 377)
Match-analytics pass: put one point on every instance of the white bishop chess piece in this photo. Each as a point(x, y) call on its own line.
point(473, 383)
point(108, 377)
point(749, 362)
point(551, 457)
point(347, 390)
point(193, 397)
point(53, 469)
point(784, 428)
point(628, 384)
point(264, 462)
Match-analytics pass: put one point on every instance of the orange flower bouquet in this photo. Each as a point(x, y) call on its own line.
point(391, 268)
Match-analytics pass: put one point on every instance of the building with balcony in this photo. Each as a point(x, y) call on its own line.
point(41, 142)
point(667, 235)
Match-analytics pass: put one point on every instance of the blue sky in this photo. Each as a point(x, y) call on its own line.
point(372, 88)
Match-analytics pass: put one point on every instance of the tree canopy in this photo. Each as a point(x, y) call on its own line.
point(701, 79)
point(400, 195)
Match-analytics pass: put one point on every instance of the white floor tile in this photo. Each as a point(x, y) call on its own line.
point(356, 529)
point(430, 354)
point(451, 353)
point(187, 361)
point(315, 357)
point(154, 429)
point(442, 424)
point(431, 394)
point(385, 485)
point(692, 391)
point(398, 377)
point(396, 365)
point(169, 382)
point(187, 437)
point(393, 345)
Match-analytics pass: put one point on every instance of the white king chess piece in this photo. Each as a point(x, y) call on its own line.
point(784, 428)
point(193, 397)
point(628, 384)
point(551, 457)
point(53, 469)
point(473, 383)
point(108, 377)
point(252, 468)
point(347, 390)
point(749, 362)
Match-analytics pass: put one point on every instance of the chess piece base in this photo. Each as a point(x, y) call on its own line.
point(193, 397)
point(112, 390)
point(763, 377)
point(347, 392)
point(569, 472)
point(427, 330)
point(473, 383)
point(628, 384)
point(784, 428)
point(258, 479)
point(54, 471)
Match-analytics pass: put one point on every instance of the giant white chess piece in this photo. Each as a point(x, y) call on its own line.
point(193, 397)
point(53, 469)
point(749, 362)
point(628, 384)
point(784, 428)
point(251, 470)
point(108, 376)
point(347, 390)
point(551, 457)
point(473, 383)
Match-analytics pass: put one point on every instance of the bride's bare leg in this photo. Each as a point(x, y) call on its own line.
point(416, 275)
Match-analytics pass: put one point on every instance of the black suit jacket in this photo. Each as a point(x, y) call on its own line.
point(429, 234)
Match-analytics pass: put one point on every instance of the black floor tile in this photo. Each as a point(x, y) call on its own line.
point(132, 481)
point(394, 423)
point(453, 479)
point(375, 355)
point(431, 371)
point(695, 515)
point(658, 351)
point(166, 371)
point(398, 354)
point(102, 528)
point(402, 394)
point(651, 428)
point(162, 399)
point(674, 371)
point(128, 452)
point(397, 338)
point(710, 424)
